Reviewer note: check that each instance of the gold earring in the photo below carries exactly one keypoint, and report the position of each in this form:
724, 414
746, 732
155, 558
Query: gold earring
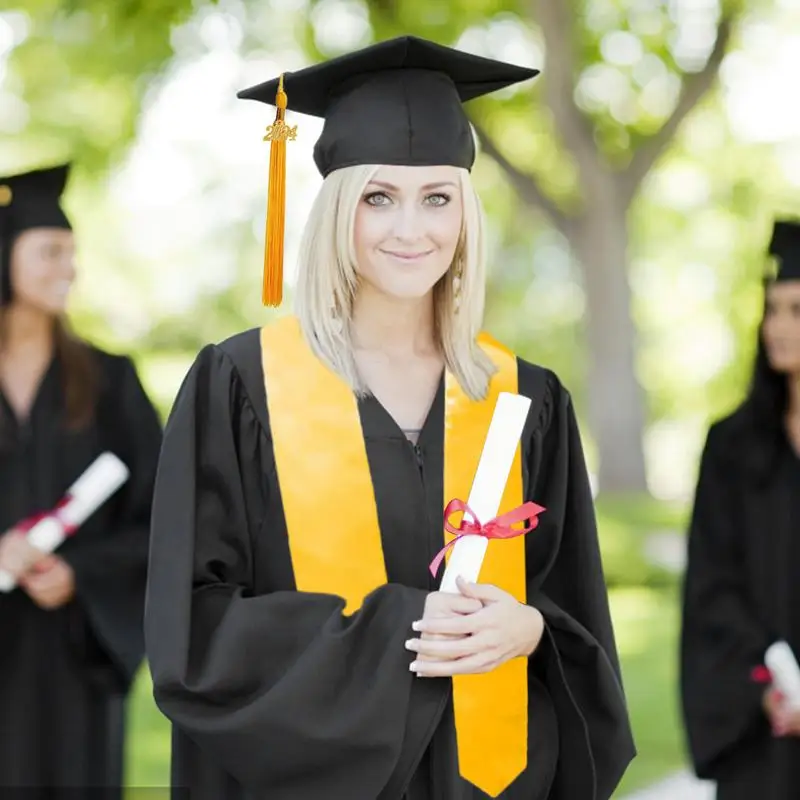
459, 271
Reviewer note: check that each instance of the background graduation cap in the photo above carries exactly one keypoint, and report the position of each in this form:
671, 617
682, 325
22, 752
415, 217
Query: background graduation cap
29, 200
396, 102
785, 248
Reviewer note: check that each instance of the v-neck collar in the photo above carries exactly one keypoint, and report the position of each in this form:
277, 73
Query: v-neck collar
377, 422
38, 397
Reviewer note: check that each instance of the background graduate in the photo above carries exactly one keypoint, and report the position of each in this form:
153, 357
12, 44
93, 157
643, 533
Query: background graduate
297, 639
71, 634
742, 591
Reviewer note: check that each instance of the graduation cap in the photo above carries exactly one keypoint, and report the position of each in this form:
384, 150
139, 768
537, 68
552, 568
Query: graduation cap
397, 102
29, 200
785, 248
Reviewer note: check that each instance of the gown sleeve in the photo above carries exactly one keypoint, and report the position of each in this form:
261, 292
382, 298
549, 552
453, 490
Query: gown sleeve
577, 658
282, 690
721, 640
111, 570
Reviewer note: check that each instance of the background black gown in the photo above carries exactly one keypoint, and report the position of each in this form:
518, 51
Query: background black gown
741, 594
64, 672
276, 691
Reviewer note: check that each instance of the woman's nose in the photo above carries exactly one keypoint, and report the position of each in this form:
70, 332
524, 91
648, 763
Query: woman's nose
407, 224
68, 268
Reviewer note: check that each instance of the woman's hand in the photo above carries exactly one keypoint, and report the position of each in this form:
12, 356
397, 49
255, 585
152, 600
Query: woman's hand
446, 605
50, 584
785, 721
17, 554
476, 642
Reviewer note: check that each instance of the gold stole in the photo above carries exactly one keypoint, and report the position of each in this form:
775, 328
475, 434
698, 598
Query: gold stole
320, 451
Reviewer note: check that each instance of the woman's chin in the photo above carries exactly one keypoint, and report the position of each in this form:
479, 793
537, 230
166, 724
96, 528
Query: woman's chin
406, 287
54, 306
786, 365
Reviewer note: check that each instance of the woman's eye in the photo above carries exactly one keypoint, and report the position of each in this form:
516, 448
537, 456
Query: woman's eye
376, 199
438, 199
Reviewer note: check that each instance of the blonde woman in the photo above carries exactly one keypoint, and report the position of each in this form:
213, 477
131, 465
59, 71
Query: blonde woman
295, 630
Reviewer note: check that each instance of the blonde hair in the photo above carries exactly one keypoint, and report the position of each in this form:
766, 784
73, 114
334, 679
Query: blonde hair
328, 281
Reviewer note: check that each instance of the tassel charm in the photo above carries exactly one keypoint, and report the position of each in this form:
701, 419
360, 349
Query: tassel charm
277, 135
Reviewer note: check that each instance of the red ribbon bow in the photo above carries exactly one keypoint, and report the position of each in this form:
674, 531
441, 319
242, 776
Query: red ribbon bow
497, 528
761, 674
30, 522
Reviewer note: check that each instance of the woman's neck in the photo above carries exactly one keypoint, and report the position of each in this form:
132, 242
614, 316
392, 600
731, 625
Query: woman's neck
26, 330
392, 326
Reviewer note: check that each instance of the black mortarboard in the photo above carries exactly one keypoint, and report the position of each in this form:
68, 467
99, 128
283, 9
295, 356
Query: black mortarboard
29, 200
396, 102
785, 247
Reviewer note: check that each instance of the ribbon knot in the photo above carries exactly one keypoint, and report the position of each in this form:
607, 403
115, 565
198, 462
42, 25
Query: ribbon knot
761, 674
495, 528
55, 513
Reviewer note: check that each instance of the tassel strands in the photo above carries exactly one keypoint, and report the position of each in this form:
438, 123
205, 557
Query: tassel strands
277, 135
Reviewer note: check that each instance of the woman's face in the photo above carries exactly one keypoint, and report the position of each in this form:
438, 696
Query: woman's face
781, 327
42, 269
407, 228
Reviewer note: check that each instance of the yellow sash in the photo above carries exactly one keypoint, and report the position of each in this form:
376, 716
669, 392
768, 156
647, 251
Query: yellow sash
320, 451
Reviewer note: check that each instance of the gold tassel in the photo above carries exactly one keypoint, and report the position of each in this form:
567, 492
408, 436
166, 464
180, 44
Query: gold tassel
277, 134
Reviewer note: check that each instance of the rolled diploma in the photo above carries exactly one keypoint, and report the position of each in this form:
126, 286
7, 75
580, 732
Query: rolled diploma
488, 485
101, 479
785, 672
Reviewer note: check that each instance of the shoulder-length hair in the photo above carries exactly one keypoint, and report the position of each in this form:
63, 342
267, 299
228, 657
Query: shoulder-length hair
328, 281
78, 371
77, 366
764, 409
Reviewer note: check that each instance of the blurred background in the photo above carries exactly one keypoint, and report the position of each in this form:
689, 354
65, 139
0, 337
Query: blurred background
630, 193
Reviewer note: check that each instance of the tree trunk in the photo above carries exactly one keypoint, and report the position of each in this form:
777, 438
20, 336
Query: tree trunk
615, 405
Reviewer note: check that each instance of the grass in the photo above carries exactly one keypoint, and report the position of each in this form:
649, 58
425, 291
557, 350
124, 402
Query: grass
646, 622
148, 743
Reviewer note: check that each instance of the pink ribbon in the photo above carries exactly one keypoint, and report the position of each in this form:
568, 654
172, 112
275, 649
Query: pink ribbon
497, 528
761, 674
27, 524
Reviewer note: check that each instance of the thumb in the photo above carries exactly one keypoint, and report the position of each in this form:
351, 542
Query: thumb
485, 592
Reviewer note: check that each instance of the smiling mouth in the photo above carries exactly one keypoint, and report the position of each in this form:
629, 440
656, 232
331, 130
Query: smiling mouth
407, 256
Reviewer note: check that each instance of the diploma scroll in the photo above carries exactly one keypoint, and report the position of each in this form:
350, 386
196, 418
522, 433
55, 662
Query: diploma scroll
785, 673
102, 478
488, 486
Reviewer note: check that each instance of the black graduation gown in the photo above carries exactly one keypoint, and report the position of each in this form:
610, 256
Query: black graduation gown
64, 672
275, 690
741, 593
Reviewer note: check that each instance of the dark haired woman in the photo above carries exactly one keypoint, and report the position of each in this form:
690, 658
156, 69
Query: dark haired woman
71, 630
742, 588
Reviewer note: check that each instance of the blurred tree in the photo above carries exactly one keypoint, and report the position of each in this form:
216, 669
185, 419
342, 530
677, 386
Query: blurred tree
620, 78
78, 74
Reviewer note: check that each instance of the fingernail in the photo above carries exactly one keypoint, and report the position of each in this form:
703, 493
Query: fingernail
413, 666
411, 644
416, 625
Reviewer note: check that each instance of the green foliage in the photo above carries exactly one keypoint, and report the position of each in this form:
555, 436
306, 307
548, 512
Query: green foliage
83, 70
626, 525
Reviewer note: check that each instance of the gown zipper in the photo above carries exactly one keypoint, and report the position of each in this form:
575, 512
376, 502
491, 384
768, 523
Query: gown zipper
420, 462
